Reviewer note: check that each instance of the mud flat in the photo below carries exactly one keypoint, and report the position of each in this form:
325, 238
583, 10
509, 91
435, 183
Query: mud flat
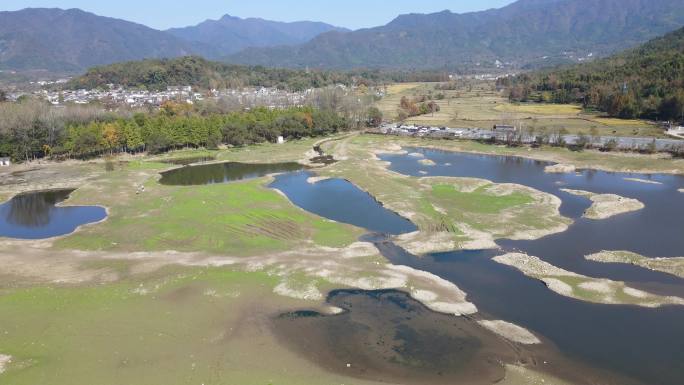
388, 336
607, 205
674, 266
581, 287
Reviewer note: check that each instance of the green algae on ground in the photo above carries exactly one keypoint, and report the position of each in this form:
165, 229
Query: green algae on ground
179, 326
239, 219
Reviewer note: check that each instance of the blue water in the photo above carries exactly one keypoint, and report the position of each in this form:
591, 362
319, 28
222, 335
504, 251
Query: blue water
341, 201
36, 216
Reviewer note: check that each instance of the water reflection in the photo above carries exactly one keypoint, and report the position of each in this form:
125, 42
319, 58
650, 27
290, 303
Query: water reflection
223, 173
35, 215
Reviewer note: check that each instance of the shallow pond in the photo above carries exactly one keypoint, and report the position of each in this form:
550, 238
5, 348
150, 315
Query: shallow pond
223, 173
341, 201
36, 215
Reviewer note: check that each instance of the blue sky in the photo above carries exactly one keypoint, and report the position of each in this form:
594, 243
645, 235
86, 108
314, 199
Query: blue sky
164, 14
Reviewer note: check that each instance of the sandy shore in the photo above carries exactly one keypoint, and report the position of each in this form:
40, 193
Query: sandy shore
674, 266
607, 205
581, 287
511, 332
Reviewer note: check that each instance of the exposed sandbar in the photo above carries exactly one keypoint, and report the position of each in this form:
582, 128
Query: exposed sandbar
511, 332
607, 205
674, 266
581, 287
560, 169
639, 180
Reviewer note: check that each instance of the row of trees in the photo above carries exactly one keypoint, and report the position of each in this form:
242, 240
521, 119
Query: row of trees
647, 82
34, 129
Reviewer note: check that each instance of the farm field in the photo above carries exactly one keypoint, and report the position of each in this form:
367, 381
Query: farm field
480, 105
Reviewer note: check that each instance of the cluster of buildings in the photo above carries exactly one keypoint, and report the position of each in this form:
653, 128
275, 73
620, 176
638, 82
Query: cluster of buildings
272, 98
446, 132
120, 96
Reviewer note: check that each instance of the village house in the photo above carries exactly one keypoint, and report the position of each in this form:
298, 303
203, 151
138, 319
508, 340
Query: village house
4, 162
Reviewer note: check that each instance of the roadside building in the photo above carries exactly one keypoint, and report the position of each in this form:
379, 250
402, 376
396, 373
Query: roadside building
4, 162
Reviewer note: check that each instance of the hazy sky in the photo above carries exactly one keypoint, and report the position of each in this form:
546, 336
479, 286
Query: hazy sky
164, 14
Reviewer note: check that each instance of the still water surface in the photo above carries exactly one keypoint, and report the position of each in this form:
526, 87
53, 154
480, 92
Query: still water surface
35, 215
223, 173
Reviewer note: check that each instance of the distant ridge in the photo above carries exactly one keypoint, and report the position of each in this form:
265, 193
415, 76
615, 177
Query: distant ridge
72, 40
231, 34
525, 33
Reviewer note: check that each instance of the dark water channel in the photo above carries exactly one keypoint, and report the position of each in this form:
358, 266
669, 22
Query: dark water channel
35, 215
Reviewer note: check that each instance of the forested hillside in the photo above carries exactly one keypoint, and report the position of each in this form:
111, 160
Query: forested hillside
646, 82
157, 74
71, 40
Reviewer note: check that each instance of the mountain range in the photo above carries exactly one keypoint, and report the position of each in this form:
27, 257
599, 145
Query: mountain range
232, 34
73, 40
527, 33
